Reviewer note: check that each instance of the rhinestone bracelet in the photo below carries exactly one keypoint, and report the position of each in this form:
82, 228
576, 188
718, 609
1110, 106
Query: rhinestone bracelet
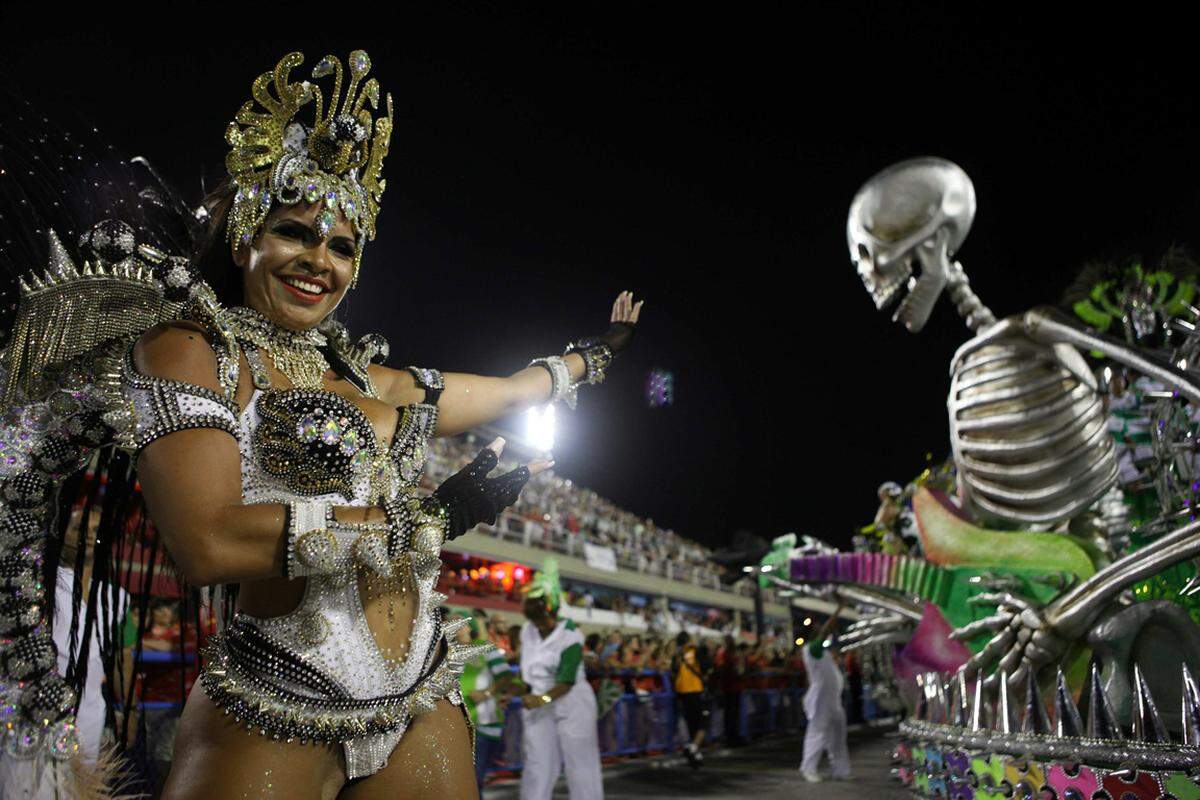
311, 546
596, 357
561, 386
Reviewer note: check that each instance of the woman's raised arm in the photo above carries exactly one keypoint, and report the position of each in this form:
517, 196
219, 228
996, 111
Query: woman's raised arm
472, 400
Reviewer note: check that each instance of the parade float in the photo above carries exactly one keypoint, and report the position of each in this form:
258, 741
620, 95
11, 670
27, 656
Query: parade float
1037, 593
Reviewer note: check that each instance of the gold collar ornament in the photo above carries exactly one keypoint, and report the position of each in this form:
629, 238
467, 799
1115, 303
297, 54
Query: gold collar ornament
296, 354
335, 161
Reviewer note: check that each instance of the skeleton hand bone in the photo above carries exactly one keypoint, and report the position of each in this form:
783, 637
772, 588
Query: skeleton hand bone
876, 630
1025, 637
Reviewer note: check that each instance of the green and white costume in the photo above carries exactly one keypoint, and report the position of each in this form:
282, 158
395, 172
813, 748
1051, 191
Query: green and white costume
477, 677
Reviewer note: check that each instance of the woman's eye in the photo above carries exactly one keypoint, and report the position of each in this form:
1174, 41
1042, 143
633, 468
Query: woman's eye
290, 231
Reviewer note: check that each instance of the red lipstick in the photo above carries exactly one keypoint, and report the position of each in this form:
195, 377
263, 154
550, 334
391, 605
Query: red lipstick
301, 295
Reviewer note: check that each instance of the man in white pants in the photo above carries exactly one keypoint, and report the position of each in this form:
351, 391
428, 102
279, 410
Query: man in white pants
826, 731
559, 712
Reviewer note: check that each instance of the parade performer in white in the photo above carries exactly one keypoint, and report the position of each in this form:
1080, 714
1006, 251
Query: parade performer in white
559, 714
826, 731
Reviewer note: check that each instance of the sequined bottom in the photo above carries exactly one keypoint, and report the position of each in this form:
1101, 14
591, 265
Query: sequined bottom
367, 755
317, 673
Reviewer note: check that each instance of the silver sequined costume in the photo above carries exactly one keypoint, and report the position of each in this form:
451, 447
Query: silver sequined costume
69, 390
316, 673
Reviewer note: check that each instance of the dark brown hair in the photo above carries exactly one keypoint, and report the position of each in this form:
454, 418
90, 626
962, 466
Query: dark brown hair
211, 257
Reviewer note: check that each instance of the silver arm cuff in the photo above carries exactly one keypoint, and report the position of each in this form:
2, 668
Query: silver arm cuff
561, 387
320, 545
312, 548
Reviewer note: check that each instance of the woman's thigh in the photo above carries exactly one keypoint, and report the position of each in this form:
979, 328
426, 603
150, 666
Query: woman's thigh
216, 757
432, 760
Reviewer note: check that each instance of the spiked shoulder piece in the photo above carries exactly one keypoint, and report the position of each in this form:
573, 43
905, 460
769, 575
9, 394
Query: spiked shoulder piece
65, 310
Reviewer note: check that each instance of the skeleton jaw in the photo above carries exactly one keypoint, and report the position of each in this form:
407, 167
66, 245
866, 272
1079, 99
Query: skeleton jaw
924, 291
883, 284
916, 307
916, 296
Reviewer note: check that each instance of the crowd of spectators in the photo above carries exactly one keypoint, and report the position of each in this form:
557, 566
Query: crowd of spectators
582, 595
718, 619
554, 510
641, 663
748, 688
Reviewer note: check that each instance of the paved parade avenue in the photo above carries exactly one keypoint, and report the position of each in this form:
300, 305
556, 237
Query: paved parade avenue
766, 770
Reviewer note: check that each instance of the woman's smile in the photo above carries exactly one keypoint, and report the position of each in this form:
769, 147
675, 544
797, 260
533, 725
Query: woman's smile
306, 291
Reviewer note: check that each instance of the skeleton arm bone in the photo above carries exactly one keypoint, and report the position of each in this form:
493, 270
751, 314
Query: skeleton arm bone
888, 637
896, 627
876, 631
1075, 610
857, 595
875, 624
1052, 327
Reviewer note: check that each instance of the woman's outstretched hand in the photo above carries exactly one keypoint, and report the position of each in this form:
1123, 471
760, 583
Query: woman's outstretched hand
625, 310
471, 497
625, 314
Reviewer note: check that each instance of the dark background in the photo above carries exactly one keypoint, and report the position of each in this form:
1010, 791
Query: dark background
543, 161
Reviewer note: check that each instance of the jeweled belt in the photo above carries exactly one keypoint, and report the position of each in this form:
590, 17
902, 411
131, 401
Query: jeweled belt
237, 677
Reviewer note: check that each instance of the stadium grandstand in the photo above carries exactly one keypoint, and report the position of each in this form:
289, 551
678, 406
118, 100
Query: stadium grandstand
620, 571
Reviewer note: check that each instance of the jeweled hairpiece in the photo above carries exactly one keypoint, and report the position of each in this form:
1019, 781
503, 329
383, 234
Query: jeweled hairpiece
335, 161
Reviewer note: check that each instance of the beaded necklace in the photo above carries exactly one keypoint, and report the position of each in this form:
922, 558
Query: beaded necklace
294, 353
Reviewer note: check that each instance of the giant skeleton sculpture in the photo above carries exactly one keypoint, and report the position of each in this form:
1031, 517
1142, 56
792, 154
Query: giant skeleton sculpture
1027, 422
1033, 457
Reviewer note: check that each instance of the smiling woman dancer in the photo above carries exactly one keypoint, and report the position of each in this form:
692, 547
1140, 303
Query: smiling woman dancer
289, 463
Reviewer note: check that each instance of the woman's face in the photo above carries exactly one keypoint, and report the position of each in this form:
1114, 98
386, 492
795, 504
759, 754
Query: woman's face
289, 273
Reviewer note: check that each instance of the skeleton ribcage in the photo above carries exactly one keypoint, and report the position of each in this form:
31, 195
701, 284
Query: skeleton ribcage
1029, 434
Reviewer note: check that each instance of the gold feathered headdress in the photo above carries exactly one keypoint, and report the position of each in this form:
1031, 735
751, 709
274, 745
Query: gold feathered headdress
336, 160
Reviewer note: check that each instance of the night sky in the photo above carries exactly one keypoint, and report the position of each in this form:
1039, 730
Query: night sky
542, 162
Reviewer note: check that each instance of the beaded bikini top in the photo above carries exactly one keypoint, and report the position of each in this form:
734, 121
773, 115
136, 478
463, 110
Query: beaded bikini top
313, 444
304, 442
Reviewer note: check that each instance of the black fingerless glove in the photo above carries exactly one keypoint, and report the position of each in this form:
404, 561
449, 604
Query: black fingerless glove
469, 497
616, 338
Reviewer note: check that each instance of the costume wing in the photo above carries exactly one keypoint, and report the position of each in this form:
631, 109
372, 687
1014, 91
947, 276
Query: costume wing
62, 409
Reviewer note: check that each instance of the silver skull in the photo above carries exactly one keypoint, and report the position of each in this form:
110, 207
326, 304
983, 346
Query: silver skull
919, 211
